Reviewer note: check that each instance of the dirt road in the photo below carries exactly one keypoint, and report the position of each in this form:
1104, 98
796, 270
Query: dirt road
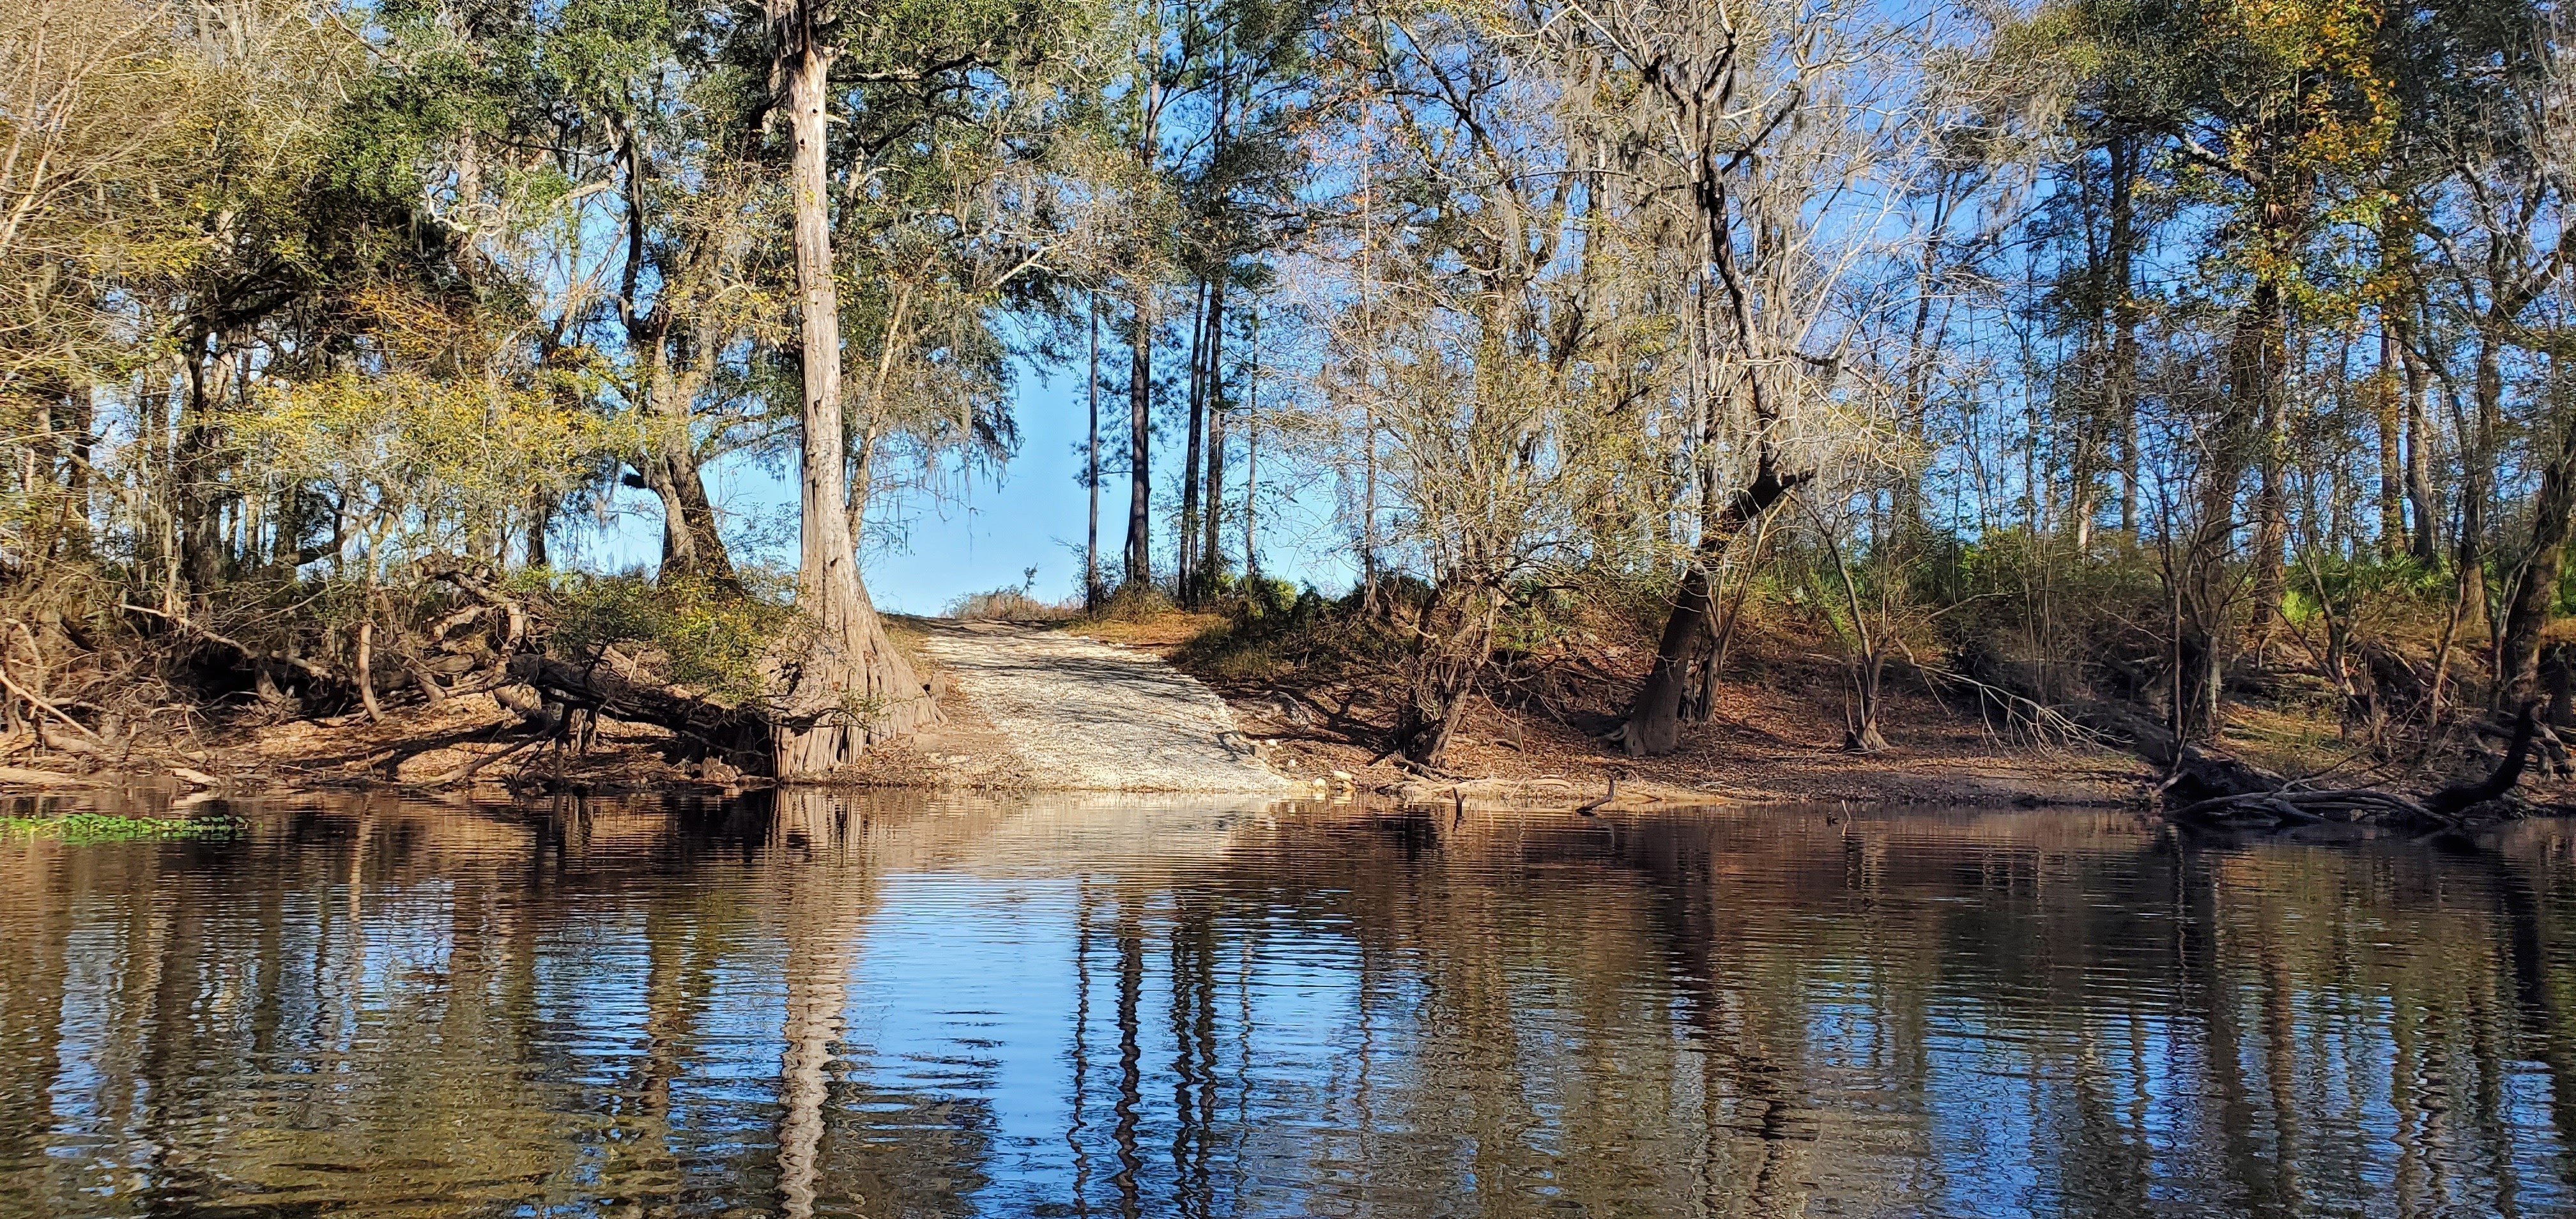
1077, 714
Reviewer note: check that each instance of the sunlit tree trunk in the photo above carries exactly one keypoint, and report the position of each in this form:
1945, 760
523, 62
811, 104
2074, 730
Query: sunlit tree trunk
2477, 483
690, 544
2424, 537
1252, 449
1140, 369
1185, 548
1091, 592
850, 687
2388, 408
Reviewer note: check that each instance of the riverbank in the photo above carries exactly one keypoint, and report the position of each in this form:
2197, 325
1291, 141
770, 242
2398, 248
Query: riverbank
1026, 709
1146, 704
1775, 738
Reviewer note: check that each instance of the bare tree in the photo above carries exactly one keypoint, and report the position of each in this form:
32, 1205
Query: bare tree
1764, 115
1489, 388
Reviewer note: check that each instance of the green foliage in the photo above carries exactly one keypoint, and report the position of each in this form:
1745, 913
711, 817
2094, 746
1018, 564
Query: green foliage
1266, 597
414, 458
111, 827
705, 635
1536, 617
2340, 583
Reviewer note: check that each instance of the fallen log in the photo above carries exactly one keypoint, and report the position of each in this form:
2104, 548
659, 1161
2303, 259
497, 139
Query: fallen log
742, 735
2193, 774
2351, 806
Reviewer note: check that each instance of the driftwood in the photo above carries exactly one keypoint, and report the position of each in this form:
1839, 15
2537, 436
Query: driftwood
467, 771
39, 703
2356, 805
2548, 750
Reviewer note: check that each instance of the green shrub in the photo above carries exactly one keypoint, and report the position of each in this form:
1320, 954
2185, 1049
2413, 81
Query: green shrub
706, 635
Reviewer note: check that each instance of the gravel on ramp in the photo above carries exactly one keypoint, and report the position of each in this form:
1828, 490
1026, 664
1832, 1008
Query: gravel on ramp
1089, 716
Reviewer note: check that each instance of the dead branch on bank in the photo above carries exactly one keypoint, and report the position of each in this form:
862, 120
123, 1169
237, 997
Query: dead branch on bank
741, 735
2444, 808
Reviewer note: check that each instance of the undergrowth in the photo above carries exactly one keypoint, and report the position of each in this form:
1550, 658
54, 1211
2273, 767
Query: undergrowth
1012, 605
1273, 630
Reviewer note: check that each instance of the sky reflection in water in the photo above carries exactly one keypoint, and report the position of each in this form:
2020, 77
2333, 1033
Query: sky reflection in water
896, 1006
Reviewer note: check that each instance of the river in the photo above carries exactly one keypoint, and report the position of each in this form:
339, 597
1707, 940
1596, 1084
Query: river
902, 1005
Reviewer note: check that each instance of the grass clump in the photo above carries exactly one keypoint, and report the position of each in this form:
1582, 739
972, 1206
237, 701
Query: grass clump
1012, 605
112, 827
1133, 602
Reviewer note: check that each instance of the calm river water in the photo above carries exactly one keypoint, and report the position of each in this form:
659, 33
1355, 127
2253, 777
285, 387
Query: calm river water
912, 1007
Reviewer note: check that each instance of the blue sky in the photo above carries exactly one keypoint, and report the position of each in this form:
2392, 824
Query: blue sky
988, 535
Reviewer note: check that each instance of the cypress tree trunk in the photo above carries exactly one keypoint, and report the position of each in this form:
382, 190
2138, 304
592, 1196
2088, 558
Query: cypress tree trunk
849, 688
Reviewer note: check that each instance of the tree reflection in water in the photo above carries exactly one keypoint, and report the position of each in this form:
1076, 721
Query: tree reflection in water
901, 1007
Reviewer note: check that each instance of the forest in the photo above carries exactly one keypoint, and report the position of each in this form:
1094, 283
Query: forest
2108, 363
